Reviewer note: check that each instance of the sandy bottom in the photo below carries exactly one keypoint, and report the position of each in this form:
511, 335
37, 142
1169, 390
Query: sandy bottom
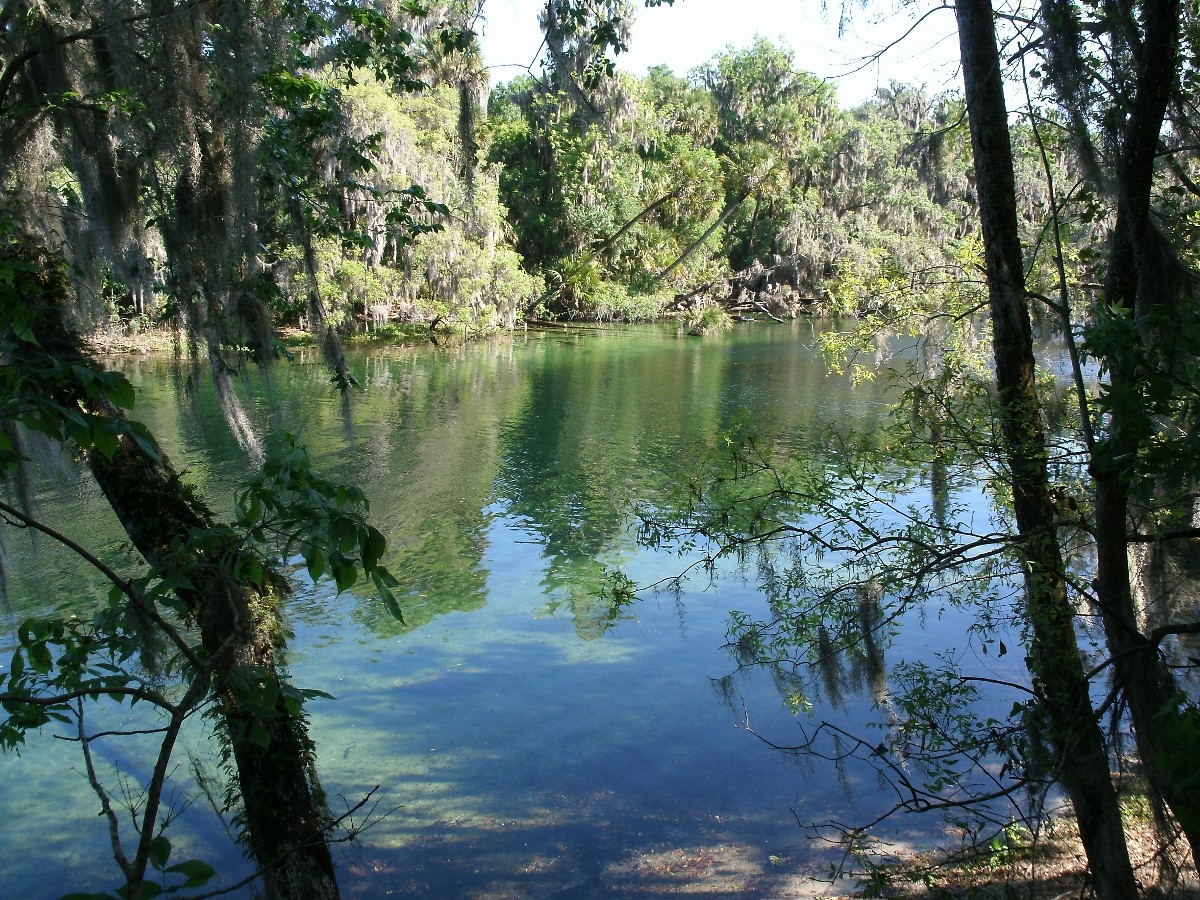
491, 859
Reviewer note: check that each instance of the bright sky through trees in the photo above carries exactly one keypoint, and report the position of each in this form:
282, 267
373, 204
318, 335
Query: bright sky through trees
691, 31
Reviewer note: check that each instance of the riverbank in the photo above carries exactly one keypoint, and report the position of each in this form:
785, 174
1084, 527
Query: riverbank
1051, 866
128, 338
775, 293
125, 338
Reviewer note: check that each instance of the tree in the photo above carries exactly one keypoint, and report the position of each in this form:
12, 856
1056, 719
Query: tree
771, 124
202, 139
1149, 375
600, 206
202, 144
1054, 659
852, 534
210, 592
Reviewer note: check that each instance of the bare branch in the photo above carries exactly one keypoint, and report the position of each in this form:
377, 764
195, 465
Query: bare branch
90, 694
1159, 634
114, 825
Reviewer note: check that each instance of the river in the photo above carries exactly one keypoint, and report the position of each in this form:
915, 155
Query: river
521, 738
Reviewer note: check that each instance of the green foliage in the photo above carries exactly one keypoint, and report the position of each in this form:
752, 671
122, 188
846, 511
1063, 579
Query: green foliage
65, 661
600, 212
293, 509
31, 396
139, 649
1009, 845
771, 122
338, 131
706, 317
1162, 347
1180, 724
307, 134
872, 208
193, 872
444, 260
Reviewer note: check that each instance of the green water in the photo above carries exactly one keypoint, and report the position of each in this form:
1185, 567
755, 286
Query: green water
523, 744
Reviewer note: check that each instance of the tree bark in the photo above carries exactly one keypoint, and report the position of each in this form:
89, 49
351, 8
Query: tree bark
1059, 680
1138, 279
239, 623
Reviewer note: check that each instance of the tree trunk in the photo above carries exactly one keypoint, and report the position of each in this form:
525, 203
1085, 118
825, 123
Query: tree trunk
616, 236
748, 244
696, 244
239, 623
1139, 278
1059, 680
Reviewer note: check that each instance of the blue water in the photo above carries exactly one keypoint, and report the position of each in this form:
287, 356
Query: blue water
518, 742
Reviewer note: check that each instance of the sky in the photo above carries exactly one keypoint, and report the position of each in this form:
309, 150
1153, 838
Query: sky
692, 31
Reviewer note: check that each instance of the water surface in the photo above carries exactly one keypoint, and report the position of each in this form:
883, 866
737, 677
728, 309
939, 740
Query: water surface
520, 740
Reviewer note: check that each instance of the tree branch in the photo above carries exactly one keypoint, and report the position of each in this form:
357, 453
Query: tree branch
125, 585
114, 826
91, 693
1163, 631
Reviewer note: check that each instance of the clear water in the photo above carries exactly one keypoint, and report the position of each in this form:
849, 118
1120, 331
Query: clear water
518, 746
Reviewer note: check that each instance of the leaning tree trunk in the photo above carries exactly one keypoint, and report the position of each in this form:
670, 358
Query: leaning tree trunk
1059, 681
729, 210
239, 622
616, 235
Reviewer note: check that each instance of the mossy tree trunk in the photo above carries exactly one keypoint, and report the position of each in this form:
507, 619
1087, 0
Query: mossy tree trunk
239, 619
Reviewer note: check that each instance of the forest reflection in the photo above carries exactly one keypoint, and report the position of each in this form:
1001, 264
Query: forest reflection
506, 478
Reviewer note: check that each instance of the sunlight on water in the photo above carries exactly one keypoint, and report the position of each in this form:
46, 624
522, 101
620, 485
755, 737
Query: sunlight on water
518, 741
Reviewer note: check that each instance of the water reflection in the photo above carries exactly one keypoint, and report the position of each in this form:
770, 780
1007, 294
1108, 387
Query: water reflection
519, 757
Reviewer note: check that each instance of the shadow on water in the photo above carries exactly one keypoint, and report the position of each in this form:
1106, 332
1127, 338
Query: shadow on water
527, 765
531, 745
589, 846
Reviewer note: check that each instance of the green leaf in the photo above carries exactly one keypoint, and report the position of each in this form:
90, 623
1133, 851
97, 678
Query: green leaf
144, 439
119, 391
268, 696
160, 851
251, 569
390, 602
373, 546
260, 735
105, 441
197, 873
251, 508
384, 577
345, 575
40, 659
314, 559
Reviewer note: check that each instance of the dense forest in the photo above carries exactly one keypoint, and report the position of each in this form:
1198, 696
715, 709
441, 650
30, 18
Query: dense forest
230, 172
570, 193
